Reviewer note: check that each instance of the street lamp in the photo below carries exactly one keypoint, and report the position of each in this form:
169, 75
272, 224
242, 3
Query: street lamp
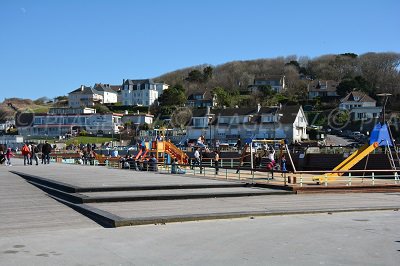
386, 95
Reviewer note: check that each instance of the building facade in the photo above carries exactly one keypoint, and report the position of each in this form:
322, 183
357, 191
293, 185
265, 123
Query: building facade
227, 125
50, 125
84, 97
322, 88
107, 92
360, 106
277, 83
141, 92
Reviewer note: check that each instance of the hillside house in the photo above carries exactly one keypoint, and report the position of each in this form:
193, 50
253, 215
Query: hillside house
202, 99
142, 92
84, 97
277, 83
108, 93
322, 88
229, 124
360, 106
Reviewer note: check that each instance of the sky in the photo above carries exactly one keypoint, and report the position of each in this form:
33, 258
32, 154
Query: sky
50, 48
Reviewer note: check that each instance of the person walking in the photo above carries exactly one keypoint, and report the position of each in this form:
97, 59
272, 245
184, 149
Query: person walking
34, 154
46, 150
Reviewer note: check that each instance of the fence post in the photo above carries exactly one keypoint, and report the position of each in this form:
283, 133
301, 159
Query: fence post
326, 180
301, 180
252, 176
373, 178
226, 173
231, 163
349, 179
284, 179
396, 178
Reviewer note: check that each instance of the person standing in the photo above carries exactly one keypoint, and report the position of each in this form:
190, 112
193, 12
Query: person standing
239, 144
46, 150
216, 161
9, 154
283, 163
197, 159
34, 152
26, 153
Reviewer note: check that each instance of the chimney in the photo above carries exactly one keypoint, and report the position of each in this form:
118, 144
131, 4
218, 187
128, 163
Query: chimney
82, 87
258, 107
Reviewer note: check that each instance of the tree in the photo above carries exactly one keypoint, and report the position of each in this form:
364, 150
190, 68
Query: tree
224, 98
101, 109
348, 85
195, 76
207, 73
173, 96
266, 90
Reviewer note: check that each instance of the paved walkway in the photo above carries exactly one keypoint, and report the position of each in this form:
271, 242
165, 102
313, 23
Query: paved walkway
25, 208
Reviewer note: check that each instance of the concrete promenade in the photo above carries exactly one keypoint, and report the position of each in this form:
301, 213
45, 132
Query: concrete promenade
275, 228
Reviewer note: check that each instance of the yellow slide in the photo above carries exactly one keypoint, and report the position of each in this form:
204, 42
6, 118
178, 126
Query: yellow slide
350, 161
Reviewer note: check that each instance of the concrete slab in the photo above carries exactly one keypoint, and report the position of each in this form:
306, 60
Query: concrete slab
145, 212
25, 208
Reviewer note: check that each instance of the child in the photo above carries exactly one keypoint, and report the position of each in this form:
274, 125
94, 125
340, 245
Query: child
9, 154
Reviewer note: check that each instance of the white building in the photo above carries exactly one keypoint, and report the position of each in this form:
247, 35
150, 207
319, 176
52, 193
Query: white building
71, 111
84, 97
227, 125
108, 93
59, 125
141, 92
360, 106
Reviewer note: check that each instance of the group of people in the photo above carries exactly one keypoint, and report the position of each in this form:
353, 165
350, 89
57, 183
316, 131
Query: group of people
32, 152
139, 164
5, 156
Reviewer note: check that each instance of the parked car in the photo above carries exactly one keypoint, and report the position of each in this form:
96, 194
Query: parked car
354, 134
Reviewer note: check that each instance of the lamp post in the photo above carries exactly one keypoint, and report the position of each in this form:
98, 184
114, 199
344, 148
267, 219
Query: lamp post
386, 96
209, 126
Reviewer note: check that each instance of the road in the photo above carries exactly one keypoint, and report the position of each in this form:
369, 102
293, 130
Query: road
337, 141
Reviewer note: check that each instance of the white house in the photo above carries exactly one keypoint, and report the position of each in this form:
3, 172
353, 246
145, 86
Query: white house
360, 106
141, 92
107, 91
227, 125
84, 97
